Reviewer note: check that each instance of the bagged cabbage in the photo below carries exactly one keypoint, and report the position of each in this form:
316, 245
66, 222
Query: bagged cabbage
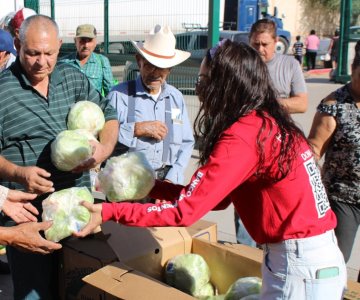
86, 115
242, 287
66, 212
188, 273
127, 177
69, 149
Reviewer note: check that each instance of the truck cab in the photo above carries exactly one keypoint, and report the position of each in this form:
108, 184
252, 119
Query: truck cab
243, 13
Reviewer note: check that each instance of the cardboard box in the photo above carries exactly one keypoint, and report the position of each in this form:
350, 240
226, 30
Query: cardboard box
142, 249
230, 262
126, 283
149, 249
79, 259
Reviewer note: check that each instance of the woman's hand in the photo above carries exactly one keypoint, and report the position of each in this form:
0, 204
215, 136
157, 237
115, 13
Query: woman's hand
95, 219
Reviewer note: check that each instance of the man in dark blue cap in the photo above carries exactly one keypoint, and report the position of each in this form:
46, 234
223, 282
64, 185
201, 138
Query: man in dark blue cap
7, 50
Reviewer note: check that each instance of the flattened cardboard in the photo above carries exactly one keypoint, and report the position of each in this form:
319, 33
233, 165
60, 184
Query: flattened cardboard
128, 284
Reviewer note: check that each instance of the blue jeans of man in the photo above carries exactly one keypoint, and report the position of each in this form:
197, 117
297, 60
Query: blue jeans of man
242, 235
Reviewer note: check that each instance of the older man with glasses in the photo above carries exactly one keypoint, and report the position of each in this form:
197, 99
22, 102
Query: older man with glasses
152, 114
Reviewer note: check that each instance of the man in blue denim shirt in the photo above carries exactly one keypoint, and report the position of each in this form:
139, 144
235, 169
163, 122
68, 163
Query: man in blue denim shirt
152, 114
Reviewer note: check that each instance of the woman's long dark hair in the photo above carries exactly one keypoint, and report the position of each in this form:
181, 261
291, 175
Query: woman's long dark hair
238, 84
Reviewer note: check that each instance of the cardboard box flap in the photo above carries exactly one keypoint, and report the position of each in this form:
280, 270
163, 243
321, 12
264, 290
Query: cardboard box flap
125, 283
228, 263
147, 249
203, 229
131, 242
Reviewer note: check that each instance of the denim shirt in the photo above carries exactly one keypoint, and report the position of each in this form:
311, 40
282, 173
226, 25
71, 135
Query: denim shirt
148, 109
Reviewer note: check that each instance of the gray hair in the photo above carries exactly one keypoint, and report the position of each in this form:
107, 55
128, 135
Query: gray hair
44, 22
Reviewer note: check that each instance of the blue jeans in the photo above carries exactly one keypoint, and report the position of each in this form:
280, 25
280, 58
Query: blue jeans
289, 269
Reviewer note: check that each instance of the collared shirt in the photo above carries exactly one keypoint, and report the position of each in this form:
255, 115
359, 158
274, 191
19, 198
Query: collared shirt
147, 109
97, 69
29, 122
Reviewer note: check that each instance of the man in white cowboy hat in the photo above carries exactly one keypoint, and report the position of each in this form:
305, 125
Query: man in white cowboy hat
152, 114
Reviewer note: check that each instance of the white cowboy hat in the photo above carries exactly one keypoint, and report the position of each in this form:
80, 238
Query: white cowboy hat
159, 48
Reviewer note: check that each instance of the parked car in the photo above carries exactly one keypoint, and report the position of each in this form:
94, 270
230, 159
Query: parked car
196, 42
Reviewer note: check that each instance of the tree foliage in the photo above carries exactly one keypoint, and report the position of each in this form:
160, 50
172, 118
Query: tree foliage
324, 15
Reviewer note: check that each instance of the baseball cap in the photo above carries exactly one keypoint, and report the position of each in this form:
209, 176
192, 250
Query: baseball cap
6, 42
86, 30
20, 16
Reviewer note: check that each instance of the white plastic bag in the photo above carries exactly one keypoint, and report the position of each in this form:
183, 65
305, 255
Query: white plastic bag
127, 177
66, 212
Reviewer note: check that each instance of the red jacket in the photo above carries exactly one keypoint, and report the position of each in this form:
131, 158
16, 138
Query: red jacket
295, 207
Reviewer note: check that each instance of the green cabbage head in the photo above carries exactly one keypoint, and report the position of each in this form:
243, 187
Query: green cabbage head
66, 212
190, 274
69, 149
127, 177
86, 115
243, 287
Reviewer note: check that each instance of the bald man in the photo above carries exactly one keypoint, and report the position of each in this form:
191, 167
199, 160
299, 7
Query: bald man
36, 95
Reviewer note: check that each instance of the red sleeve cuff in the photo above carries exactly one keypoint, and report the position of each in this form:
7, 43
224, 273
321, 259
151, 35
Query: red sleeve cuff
107, 212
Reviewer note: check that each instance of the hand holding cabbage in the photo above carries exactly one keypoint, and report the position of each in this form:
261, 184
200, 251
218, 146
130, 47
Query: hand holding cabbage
66, 212
70, 149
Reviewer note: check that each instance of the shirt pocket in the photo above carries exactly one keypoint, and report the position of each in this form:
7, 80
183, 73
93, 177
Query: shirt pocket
177, 133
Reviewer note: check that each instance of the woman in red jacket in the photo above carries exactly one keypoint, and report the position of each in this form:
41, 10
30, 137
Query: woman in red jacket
255, 157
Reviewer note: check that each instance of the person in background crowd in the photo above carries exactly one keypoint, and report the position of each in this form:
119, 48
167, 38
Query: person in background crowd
255, 157
36, 95
333, 51
95, 66
152, 114
19, 17
288, 80
5, 21
312, 43
7, 50
335, 133
298, 49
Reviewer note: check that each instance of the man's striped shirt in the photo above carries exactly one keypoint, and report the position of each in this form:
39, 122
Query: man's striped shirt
29, 122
